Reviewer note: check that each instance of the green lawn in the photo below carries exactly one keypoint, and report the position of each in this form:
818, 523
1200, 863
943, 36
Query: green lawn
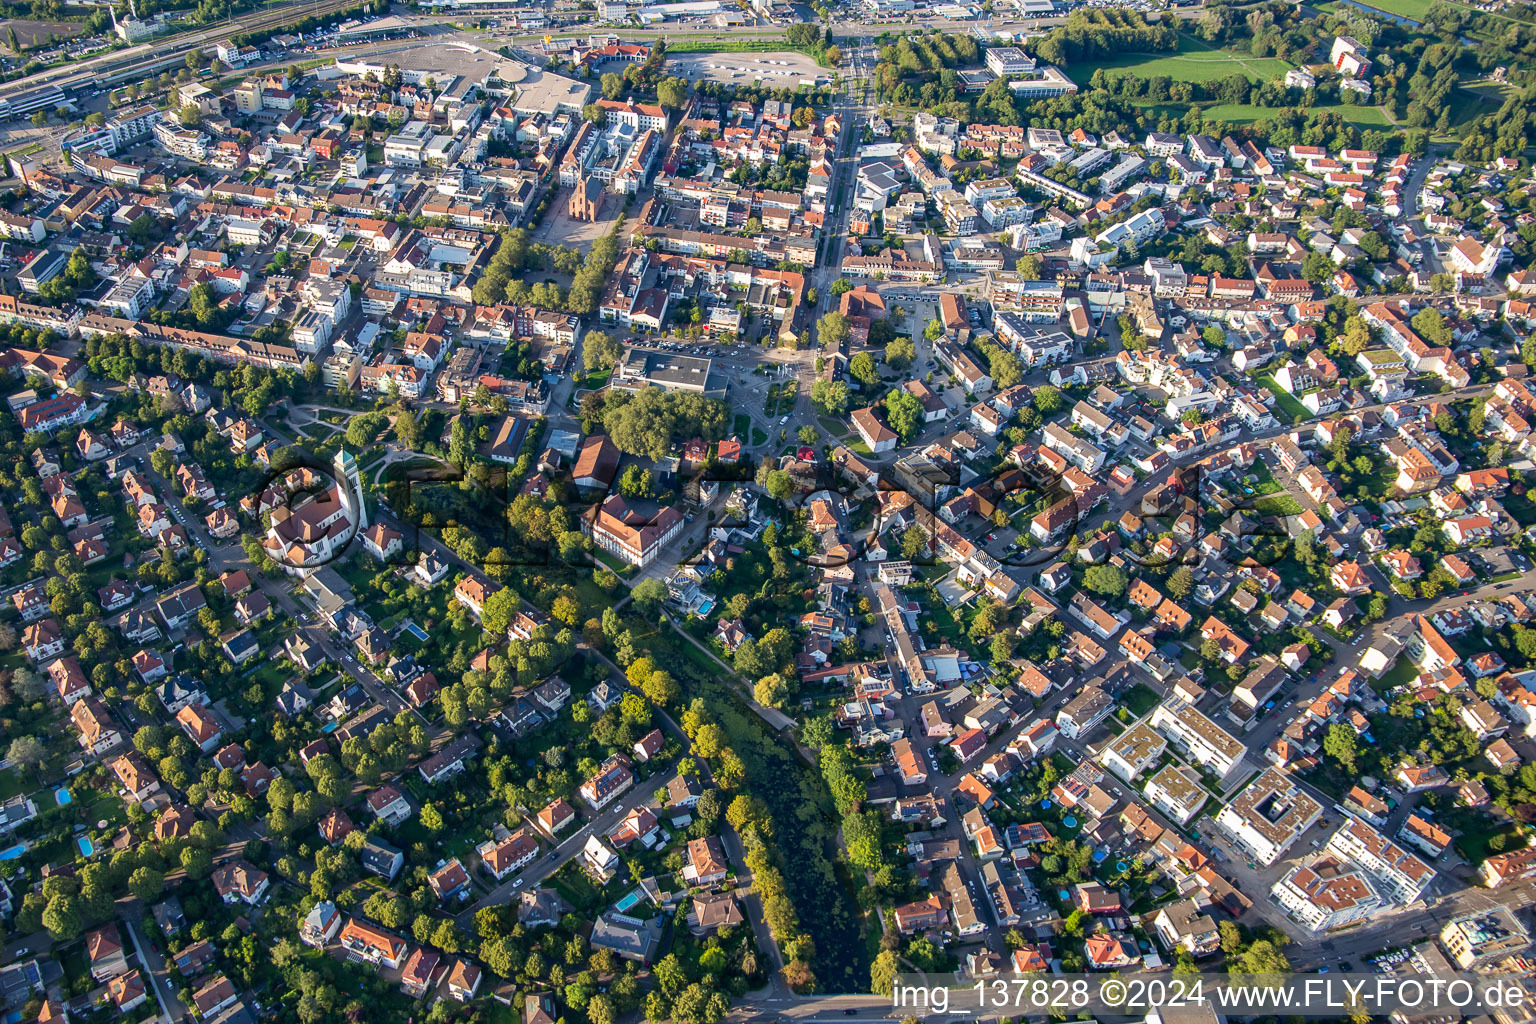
1140, 699
1193, 61
1245, 113
1278, 505
1400, 674
1473, 843
1414, 9
1287, 403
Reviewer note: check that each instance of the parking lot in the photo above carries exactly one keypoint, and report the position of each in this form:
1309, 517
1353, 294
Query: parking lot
779, 69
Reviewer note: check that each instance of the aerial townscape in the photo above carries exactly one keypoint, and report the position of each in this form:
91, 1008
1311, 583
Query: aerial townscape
589, 513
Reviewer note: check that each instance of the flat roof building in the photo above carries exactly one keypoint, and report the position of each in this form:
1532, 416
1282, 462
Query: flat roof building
1269, 815
1197, 737
657, 369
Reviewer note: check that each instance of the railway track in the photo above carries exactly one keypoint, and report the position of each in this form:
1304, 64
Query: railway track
145, 58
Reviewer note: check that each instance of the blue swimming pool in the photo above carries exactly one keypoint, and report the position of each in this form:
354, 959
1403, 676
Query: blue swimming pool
87, 848
63, 796
628, 900
13, 852
416, 631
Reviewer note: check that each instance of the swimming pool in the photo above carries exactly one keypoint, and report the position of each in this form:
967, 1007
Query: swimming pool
13, 852
628, 900
87, 848
416, 631
63, 796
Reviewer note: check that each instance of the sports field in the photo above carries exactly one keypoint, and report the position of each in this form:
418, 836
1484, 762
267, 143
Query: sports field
1193, 61
31, 33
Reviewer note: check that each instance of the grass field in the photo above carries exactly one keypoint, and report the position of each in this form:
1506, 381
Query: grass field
1278, 505
1243, 113
1193, 61
1289, 405
1412, 9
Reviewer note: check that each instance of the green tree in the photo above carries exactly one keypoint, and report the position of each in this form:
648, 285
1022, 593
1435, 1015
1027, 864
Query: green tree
1048, 400
672, 93
649, 594
599, 351
146, 883
913, 542
1181, 582
904, 413
772, 691
461, 446
900, 353
882, 973
26, 752
862, 368
1108, 580
830, 396
1264, 959
61, 917
833, 331
1341, 744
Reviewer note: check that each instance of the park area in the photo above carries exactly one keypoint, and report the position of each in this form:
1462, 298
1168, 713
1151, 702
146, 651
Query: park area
1193, 61
1414, 10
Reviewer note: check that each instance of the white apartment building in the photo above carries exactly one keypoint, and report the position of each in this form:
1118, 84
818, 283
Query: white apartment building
1133, 751
1177, 792
1396, 874
131, 297
1197, 737
1269, 815
1085, 456
1325, 895
407, 147
1005, 61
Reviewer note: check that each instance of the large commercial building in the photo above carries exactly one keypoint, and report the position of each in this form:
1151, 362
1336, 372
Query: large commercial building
1483, 937
646, 367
